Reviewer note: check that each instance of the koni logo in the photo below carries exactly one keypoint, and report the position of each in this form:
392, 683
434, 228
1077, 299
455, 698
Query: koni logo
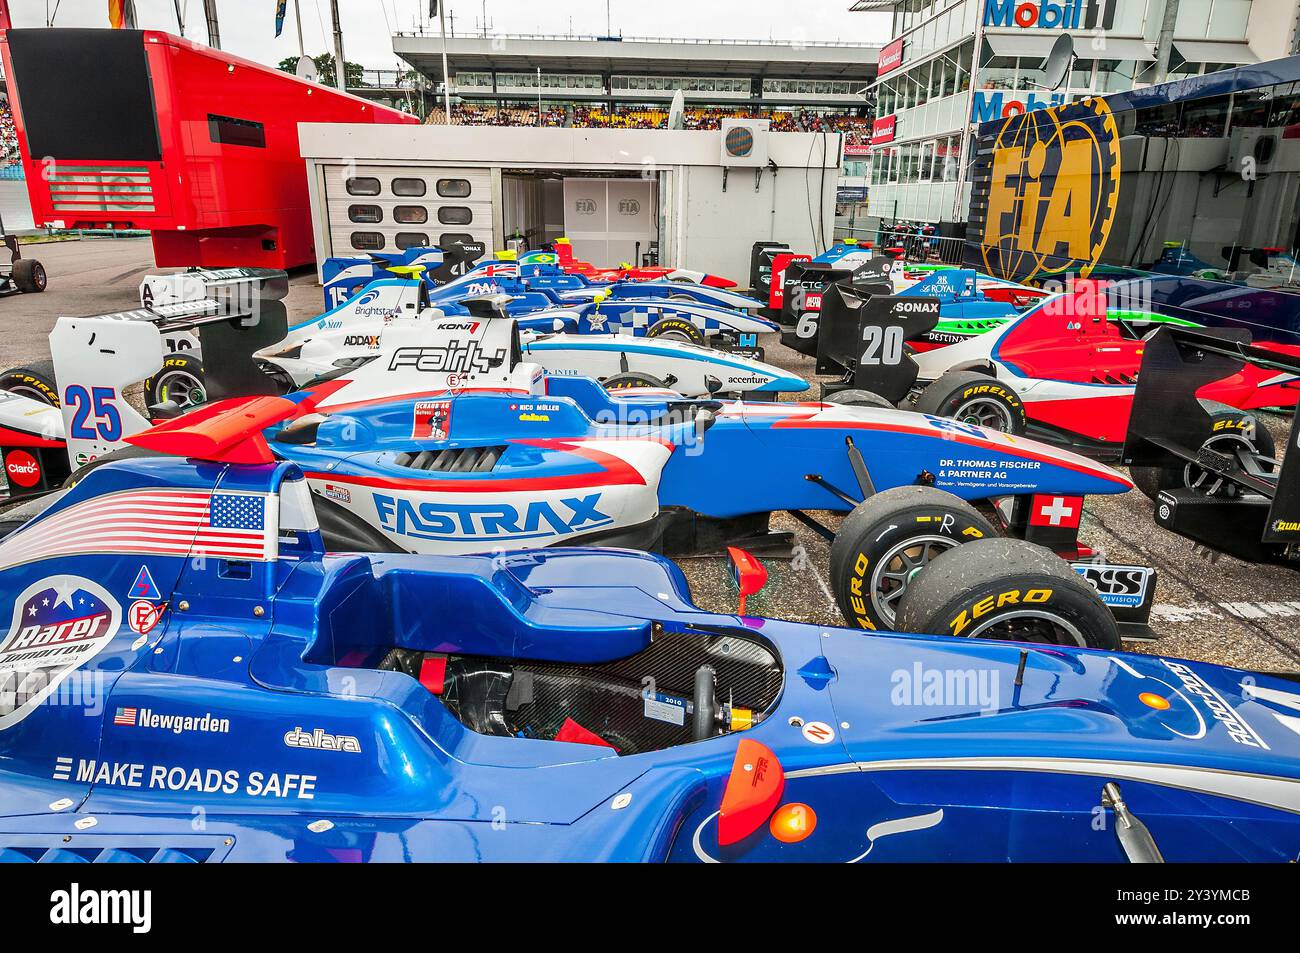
1049, 15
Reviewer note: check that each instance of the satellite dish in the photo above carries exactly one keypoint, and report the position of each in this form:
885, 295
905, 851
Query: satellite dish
306, 69
1059, 60
677, 111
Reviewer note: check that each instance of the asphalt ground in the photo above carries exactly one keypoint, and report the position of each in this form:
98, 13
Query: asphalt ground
1223, 611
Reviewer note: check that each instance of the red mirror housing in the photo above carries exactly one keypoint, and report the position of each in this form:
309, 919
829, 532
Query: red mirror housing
749, 573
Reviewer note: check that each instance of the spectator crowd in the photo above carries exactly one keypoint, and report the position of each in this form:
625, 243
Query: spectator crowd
8, 136
856, 129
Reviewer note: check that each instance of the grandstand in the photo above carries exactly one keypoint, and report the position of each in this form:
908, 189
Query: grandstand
616, 82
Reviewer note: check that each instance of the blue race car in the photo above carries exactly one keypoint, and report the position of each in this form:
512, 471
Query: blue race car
546, 303
446, 441
181, 642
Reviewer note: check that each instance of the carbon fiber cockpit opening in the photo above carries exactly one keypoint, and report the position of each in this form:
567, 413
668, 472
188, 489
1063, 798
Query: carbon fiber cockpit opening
613, 700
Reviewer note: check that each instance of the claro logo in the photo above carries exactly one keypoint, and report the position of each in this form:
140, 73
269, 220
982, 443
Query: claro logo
22, 468
1053, 191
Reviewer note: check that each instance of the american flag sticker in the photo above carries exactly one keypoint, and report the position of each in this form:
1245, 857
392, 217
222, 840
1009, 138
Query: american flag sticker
154, 521
125, 716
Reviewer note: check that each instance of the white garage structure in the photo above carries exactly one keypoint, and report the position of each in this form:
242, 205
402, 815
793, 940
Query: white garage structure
615, 193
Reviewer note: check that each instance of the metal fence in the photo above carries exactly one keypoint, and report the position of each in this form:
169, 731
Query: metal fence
945, 249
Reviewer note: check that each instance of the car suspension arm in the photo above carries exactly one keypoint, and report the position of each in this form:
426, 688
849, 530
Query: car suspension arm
812, 524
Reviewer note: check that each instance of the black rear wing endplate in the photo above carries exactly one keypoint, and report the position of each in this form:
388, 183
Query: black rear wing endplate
863, 337
1168, 424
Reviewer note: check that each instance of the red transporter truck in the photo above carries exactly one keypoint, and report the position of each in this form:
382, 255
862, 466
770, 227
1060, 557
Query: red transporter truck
142, 129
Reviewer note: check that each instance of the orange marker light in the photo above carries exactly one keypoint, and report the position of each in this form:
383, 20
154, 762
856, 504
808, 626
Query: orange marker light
1152, 700
793, 822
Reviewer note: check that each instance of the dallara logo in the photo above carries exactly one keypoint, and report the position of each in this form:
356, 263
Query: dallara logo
1052, 191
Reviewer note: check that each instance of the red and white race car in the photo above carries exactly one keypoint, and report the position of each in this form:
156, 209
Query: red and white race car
1063, 371
563, 256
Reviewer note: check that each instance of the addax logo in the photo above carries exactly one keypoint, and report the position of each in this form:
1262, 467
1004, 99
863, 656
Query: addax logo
1053, 191
451, 521
59, 624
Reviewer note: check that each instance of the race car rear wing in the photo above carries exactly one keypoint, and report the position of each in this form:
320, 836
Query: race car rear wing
804, 288
863, 336
228, 313
229, 288
1168, 425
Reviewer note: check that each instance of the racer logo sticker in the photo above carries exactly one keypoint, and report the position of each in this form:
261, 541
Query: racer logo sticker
59, 624
432, 420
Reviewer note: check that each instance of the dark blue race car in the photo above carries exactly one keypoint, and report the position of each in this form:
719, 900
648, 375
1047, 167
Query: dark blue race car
181, 647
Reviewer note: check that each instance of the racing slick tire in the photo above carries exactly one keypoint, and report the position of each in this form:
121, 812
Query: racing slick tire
974, 398
32, 380
631, 379
885, 542
29, 276
856, 397
676, 329
1229, 428
180, 380
1007, 589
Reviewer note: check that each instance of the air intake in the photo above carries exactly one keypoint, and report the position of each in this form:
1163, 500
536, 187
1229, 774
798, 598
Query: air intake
455, 460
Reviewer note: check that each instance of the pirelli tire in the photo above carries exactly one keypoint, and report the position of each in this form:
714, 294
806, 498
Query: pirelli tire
1229, 429
629, 379
1007, 589
885, 543
856, 397
679, 329
974, 398
180, 379
32, 380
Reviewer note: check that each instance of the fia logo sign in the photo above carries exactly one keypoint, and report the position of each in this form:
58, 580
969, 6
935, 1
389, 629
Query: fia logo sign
1053, 191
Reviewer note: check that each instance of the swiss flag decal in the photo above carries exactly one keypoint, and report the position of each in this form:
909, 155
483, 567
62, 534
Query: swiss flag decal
1049, 510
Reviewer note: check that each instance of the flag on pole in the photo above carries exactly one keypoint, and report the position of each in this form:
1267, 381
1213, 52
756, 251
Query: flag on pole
279, 15
120, 15
433, 9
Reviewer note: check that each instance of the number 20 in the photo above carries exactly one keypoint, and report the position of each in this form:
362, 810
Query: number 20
884, 345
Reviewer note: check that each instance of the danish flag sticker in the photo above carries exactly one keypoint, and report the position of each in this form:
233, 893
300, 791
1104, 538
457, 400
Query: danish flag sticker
1060, 511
